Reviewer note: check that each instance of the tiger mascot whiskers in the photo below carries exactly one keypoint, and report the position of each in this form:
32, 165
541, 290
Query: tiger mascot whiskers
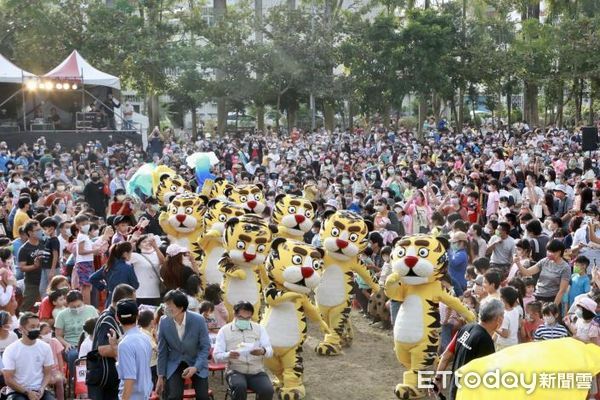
418, 264
183, 219
293, 269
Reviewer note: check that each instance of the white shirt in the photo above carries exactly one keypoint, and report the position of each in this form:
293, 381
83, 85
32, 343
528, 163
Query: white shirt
511, 322
146, 267
86, 346
87, 246
28, 362
180, 328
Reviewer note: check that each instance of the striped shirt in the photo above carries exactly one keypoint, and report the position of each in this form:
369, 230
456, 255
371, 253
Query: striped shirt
545, 332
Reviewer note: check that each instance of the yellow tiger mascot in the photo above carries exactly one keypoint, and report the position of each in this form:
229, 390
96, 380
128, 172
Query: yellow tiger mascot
208, 249
293, 269
249, 197
183, 220
247, 241
418, 263
293, 216
344, 236
166, 184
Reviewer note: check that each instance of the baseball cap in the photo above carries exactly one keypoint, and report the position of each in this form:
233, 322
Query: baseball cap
585, 302
175, 249
332, 203
560, 188
127, 308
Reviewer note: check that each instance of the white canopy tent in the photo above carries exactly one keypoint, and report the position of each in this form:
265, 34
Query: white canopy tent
10, 73
76, 68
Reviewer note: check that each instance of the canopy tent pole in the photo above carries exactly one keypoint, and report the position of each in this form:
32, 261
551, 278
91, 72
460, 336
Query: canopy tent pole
24, 103
11, 97
83, 108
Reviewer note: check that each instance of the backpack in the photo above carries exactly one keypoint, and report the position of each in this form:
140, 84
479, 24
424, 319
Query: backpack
102, 371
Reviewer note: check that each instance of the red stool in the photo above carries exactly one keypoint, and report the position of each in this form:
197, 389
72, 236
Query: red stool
217, 367
187, 394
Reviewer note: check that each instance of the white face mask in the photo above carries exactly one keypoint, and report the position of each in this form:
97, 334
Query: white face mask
549, 319
85, 228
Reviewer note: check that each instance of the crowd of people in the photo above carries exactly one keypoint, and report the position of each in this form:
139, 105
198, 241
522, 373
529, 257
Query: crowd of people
83, 262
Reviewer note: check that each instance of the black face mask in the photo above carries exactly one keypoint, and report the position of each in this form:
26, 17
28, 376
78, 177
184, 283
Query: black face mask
95, 178
33, 334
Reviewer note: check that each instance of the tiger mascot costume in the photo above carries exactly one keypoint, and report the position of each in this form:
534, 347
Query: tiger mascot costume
249, 197
344, 236
166, 184
208, 249
183, 220
215, 189
247, 241
293, 269
418, 263
293, 216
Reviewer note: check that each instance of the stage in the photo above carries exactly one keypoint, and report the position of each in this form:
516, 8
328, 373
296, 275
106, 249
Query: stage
69, 139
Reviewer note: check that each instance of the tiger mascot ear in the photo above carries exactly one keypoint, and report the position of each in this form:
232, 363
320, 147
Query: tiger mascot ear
212, 203
395, 240
327, 214
445, 242
321, 250
315, 207
163, 177
231, 222
204, 199
273, 228
275, 246
260, 186
369, 224
279, 197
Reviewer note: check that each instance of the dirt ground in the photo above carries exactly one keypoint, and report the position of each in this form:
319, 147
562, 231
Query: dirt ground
366, 371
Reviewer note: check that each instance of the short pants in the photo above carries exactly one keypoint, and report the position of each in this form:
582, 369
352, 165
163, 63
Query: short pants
84, 271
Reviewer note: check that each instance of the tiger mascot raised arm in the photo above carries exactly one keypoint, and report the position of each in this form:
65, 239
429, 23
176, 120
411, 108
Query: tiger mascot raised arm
215, 189
247, 241
418, 264
183, 220
293, 216
344, 236
293, 269
249, 197
166, 184
208, 248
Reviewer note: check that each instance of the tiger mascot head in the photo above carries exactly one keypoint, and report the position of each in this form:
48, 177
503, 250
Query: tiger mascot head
218, 212
247, 240
185, 213
217, 189
344, 234
420, 259
249, 197
170, 186
294, 265
293, 214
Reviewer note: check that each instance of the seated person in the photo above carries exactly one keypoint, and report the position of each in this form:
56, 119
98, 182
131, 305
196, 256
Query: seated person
229, 339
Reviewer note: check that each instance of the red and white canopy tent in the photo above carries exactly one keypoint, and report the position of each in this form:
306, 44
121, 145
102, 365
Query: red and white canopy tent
76, 68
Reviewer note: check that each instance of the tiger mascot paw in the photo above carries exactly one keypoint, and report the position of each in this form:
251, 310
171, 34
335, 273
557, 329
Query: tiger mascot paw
276, 383
409, 392
328, 349
292, 393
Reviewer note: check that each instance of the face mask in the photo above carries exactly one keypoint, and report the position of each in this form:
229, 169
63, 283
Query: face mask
487, 230
345, 181
579, 313
379, 208
242, 324
373, 176
390, 171
522, 227
549, 319
40, 235
454, 246
576, 270
47, 337
17, 180
95, 178
120, 197
168, 312
60, 188
497, 233
122, 176
385, 195
33, 334
85, 228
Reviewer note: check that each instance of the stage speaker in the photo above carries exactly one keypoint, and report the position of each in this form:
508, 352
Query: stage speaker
589, 138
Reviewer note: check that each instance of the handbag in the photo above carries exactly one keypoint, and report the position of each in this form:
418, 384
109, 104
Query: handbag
162, 288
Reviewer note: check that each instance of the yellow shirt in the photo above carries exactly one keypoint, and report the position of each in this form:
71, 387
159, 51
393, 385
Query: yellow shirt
21, 218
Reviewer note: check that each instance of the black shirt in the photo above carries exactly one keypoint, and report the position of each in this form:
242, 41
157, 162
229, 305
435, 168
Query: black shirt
153, 225
51, 244
96, 198
472, 341
27, 254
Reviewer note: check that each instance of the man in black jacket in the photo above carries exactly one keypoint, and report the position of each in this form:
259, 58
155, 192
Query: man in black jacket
95, 195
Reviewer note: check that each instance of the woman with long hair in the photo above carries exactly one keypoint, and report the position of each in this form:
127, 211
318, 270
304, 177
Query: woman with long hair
179, 267
147, 261
116, 271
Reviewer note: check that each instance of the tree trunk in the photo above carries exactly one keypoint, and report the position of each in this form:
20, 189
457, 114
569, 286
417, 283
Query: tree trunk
194, 124
578, 101
509, 107
561, 101
329, 114
461, 108
153, 111
278, 117
530, 104
592, 92
350, 116
260, 117
385, 120
422, 115
220, 8
454, 113
291, 117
